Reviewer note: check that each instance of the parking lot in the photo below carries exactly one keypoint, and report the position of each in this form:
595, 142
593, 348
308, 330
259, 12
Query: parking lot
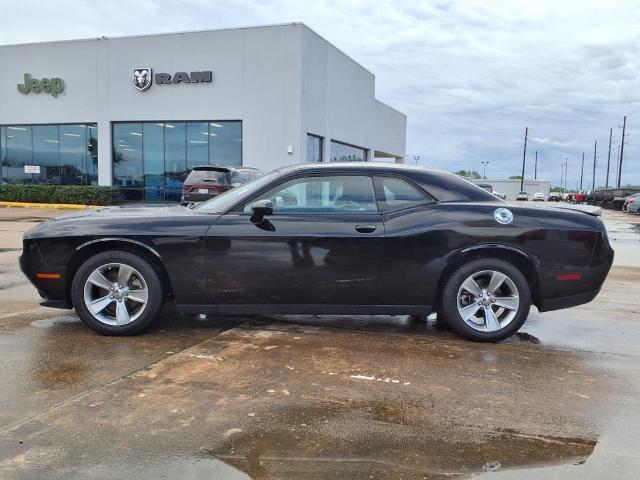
319, 396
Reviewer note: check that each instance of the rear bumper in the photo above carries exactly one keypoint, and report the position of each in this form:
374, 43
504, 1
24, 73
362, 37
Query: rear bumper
568, 301
558, 291
196, 197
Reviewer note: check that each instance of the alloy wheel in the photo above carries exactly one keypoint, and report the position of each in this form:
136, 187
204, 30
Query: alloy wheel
116, 294
488, 300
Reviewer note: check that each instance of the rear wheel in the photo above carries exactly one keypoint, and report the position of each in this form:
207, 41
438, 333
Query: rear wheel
116, 293
486, 300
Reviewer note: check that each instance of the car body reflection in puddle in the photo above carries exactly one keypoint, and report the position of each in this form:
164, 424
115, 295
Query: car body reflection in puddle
311, 452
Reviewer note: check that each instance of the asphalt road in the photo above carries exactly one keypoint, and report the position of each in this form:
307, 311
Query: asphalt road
319, 396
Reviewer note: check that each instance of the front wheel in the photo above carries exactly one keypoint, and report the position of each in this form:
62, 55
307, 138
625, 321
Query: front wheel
116, 293
486, 300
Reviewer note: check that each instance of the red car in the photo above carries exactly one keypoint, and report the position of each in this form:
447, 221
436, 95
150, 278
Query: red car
208, 181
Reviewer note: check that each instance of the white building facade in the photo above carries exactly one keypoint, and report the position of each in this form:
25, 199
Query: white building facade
140, 112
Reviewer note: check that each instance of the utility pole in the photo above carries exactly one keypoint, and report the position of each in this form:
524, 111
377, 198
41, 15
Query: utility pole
617, 166
535, 169
566, 171
582, 171
484, 166
624, 126
595, 149
606, 183
524, 156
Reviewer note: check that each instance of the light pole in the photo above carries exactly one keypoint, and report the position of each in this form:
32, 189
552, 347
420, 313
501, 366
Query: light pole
484, 168
416, 158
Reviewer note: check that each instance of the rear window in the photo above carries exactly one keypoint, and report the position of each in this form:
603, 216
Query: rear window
240, 176
208, 176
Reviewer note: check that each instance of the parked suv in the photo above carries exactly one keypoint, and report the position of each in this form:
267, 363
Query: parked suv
208, 181
522, 196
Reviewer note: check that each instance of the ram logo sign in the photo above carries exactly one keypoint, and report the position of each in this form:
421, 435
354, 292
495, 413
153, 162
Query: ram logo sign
143, 78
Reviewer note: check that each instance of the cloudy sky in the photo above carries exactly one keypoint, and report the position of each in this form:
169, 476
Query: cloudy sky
470, 75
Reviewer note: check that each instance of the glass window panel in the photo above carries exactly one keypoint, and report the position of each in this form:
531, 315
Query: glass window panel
314, 148
127, 159
153, 155
399, 194
73, 154
175, 159
225, 143
19, 153
197, 144
92, 158
4, 167
341, 152
334, 194
45, 153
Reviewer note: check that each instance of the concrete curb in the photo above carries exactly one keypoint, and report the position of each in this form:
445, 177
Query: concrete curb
70, 206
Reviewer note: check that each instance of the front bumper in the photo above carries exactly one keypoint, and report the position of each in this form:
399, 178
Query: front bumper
52, 291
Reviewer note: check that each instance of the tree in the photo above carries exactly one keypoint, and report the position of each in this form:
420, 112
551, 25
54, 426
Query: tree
468, 174
515, 177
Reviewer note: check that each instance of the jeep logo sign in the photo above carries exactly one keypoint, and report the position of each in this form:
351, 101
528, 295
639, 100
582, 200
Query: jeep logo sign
142, 78
52, 86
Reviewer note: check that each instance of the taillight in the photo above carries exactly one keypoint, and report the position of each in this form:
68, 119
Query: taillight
631, 200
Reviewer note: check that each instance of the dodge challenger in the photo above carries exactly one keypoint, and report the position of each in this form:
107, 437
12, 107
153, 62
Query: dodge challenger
341, 238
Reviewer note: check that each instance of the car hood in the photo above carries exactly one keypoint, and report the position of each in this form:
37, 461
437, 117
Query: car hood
121, 211
127, 214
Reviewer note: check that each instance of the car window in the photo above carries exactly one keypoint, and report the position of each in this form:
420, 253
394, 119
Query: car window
398, 194
240, 176
322, 194
208, 176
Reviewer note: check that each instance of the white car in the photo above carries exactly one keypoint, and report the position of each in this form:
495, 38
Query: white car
538, 197
522, 196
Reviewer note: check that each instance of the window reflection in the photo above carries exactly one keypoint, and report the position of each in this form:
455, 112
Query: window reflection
341, 152
66, 154
168, 151
314, 148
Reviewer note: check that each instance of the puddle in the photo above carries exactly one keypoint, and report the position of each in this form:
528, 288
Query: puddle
51, 322
315, 448
4, 250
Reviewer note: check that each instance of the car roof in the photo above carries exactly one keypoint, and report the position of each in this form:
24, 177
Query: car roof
443, 186
221, 168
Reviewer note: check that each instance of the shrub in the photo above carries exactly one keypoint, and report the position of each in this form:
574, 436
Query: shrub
83, 195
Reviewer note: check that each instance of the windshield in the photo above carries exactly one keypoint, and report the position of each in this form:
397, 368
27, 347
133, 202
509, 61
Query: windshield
225, 201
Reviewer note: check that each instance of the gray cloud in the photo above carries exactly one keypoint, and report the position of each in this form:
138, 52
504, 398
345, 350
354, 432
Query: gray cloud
470, 75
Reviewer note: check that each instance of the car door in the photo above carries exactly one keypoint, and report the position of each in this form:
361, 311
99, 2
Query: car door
322, 245
414, 249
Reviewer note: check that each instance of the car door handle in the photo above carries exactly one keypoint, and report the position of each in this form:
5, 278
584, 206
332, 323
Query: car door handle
365, 228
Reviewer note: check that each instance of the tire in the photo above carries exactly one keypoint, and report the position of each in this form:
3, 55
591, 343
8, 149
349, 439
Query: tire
509, 302
121, 311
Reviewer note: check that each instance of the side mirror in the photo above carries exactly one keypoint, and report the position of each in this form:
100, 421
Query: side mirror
260, 209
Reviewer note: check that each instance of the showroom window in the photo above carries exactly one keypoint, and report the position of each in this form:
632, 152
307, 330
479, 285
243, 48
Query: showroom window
64, 154
151, 160
314, 148
343, 152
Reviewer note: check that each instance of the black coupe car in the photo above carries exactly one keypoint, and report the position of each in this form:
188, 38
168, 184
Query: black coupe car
324, 239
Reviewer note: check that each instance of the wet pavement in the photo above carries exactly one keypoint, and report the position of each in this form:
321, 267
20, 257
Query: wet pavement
319, 396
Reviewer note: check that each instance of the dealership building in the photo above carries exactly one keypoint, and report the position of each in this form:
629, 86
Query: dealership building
140, 112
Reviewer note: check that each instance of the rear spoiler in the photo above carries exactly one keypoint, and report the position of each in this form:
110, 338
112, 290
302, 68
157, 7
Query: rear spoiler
588, 209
